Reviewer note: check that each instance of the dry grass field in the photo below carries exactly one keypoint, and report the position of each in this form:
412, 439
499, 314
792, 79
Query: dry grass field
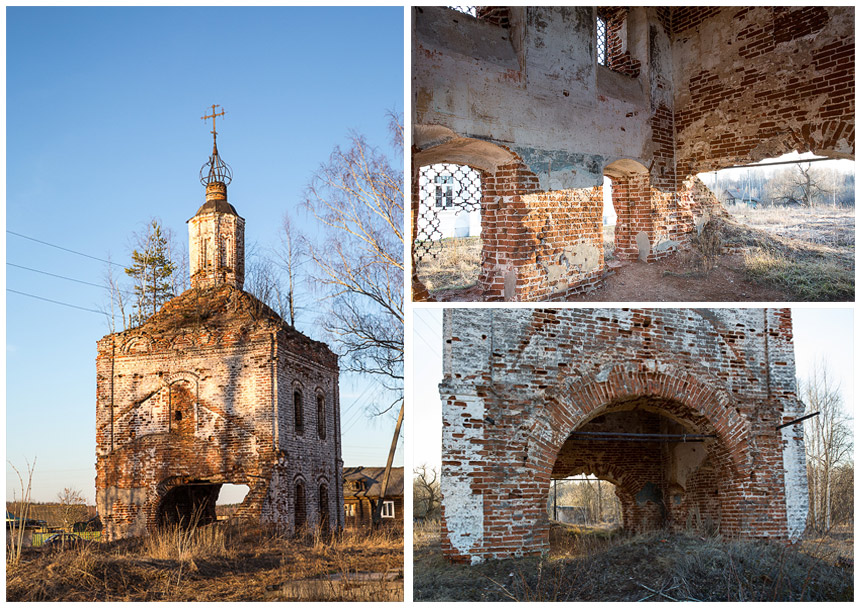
810, 252
215, 563
599, 565
451, 263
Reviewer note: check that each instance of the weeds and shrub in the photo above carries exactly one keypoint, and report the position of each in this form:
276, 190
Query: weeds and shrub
810, 280
706, 245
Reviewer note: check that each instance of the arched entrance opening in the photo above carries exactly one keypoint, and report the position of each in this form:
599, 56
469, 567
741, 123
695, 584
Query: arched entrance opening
453, 181
188, 505
448, 244
667, 463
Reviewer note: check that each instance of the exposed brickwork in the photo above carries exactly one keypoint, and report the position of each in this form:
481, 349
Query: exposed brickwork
785, 82
724, 86
217, 241
518, 382
619, 59
203, 394
685, 18
498, 15
548, 246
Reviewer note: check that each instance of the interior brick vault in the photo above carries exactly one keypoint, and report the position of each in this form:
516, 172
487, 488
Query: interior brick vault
216, 389
532, 395
518, 93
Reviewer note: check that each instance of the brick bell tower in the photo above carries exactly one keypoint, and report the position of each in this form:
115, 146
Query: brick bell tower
216, 232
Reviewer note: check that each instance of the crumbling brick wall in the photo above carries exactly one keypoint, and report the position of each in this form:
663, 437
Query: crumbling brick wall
523, 388
203, 394
694, 89
778, 79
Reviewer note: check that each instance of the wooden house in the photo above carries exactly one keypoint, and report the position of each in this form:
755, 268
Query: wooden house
362, 491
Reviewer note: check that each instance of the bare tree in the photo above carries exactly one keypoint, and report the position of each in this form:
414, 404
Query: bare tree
358, 264
262, 280
73, 506
426, 492
291, 254
828, 443
800, 185
117, 305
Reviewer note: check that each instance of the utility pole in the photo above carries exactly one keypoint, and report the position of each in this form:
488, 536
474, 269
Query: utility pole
389, 462
555, 500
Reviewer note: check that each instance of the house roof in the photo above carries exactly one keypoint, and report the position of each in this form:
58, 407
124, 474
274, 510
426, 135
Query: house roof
371, 479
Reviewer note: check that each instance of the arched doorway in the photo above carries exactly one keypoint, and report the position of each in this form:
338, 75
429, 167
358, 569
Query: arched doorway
667, 462
450, 193
630, 195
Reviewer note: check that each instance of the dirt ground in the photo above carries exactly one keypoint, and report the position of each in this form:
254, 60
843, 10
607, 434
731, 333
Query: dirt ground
671, 280
775, 255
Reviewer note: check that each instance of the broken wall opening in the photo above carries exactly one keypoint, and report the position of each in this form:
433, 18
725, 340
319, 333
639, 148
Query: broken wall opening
448, 243
188, 505
231, 500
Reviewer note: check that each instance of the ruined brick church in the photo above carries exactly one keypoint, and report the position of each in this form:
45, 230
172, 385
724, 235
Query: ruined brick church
691, 414
214, 389
547, 102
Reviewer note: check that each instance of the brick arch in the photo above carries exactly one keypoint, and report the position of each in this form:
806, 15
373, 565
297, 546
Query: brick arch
691, 401
579, 401
137, 345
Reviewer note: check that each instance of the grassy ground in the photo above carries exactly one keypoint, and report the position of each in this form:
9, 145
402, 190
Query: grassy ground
451, 263
809, 252
602, 566
215, 563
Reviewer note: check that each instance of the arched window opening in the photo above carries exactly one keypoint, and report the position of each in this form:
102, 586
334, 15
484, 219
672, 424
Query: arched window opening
323, 506
609, 221
224, 260
299, 512
297, 411
321, 416
448, 244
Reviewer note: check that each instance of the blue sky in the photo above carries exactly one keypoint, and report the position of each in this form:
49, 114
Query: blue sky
819, 333
104, 132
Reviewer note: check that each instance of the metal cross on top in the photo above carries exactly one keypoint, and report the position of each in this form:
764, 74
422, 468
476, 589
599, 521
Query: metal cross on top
213, 116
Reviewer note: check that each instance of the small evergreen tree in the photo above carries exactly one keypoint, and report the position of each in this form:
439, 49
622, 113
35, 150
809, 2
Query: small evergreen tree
151, 270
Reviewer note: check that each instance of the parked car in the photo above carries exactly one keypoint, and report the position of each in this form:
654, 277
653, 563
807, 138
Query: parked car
63, 540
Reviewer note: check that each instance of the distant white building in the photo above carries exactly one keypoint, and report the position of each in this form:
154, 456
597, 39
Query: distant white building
449, 199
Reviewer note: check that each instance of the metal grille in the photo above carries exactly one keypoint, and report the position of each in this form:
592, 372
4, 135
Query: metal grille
449, 196
601, 41
467, 10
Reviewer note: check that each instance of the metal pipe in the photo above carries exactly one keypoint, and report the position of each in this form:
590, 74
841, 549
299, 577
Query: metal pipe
783, 162
681, 439
797, 421
621, 434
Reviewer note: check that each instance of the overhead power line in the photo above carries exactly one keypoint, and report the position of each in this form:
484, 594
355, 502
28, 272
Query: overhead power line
30, 295
86, 255
60, 276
